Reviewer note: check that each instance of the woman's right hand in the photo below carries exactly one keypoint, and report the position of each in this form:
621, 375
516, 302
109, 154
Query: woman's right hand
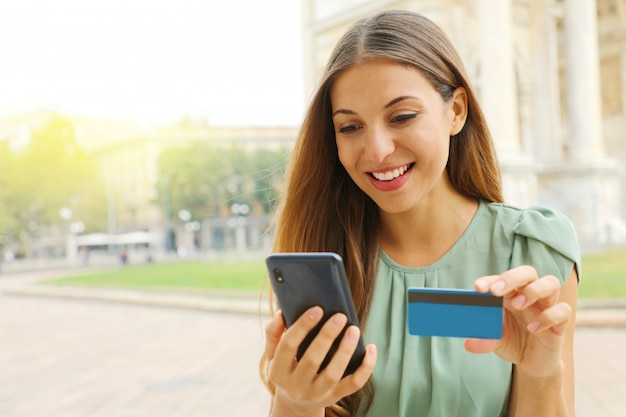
300, 390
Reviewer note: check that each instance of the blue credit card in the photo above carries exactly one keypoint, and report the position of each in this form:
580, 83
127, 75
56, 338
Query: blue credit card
454, 313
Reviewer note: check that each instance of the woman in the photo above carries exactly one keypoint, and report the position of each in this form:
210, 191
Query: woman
395, 170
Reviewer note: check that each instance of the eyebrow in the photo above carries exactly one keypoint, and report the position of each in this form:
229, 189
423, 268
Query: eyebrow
391, 103
399, 99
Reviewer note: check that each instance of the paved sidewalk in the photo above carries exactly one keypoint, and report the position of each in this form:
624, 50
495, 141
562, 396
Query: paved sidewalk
70, 351
78, 358
600, 362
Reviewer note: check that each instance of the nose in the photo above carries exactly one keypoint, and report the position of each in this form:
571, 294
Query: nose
379, 144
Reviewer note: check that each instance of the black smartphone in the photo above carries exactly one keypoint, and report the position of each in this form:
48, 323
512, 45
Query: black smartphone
302, 280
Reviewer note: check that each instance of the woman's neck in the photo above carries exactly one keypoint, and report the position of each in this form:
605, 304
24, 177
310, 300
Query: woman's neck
423, 235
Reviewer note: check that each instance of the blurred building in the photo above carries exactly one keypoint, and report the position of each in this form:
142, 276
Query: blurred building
130, 170
128, 160
551, 77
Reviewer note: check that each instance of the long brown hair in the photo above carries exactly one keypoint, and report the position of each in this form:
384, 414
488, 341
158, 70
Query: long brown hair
321, 209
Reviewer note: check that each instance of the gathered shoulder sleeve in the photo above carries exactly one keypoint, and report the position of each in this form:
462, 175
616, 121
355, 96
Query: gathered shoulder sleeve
545, 239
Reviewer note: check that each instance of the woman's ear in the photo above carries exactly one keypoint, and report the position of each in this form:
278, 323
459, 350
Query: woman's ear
458, 105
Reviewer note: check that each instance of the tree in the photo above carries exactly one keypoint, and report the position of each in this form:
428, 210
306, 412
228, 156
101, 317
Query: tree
206, 180
8, 194
50, 173
269, 167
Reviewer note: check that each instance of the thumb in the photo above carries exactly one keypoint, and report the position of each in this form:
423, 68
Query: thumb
481, 345
274, 332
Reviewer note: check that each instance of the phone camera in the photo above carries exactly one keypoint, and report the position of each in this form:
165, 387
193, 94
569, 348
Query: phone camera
278, 274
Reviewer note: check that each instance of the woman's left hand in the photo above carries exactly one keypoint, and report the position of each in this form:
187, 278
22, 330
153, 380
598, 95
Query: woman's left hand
535, 322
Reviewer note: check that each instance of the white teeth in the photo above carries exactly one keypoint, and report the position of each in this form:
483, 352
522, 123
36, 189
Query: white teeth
389, 175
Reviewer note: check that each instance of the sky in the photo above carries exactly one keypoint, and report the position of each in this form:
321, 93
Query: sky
231, 62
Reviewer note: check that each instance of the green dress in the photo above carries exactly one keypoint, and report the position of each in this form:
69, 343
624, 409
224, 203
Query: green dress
435, 376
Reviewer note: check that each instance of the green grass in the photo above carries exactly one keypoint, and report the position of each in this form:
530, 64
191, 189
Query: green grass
603, 276
193, 275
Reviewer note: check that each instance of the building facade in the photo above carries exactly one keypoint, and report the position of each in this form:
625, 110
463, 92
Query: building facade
130, 169
551, 77
127, 158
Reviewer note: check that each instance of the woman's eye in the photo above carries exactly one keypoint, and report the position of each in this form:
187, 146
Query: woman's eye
348, 129
403, 118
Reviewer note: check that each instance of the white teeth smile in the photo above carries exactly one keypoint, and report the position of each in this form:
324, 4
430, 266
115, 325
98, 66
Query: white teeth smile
390, 175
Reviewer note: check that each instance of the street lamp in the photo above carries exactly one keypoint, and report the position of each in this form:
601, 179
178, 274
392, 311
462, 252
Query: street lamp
184, 215
77, 227
190, 227
74, 228
66, 213
240, 210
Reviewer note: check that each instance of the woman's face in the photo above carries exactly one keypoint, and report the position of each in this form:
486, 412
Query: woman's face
392, 130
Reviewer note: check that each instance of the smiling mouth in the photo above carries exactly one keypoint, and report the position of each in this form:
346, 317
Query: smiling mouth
393, 174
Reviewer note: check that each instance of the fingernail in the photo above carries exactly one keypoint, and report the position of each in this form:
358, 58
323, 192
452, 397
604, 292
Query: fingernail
315, 313
534, 326
482, 284
371, 350
518, 302
352, 333
339, 320
498, 286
